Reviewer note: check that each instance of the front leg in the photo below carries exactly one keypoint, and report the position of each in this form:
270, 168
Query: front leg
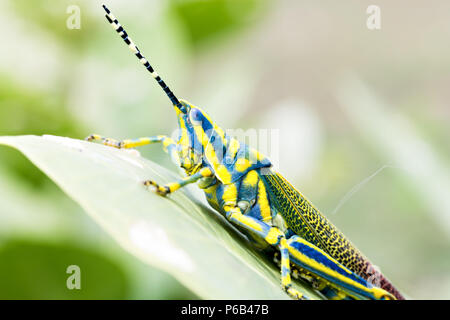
168, 144
127, 143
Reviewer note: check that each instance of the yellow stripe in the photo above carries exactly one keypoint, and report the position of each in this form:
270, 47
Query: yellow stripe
251, 178
184, 139
230, 195
233, 148
273, 236
138, 143
206, 172
173, 186
320, 267
250, 223
285, 281
219, 169
264, 202
242, 164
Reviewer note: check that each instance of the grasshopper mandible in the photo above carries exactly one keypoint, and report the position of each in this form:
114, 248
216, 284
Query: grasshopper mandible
239, 183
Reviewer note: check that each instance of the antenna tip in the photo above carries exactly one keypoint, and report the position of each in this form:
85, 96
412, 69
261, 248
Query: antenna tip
106, 9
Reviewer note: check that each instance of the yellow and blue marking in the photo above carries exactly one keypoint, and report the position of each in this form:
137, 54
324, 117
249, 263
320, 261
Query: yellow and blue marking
271, 212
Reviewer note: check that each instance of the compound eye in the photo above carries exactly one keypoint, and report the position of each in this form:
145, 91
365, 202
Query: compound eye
196, 117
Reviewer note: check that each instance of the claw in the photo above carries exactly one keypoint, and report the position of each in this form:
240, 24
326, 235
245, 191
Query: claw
295, 294
92, 137
106, 141
161, 190
112, 143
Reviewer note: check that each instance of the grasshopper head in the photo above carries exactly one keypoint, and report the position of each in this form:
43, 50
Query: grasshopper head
197, 133
200, 141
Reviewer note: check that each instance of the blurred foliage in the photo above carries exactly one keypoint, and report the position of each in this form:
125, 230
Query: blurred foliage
34, 272
33, 264
50, 19
204, 21
239, 60
148, 226
27, 111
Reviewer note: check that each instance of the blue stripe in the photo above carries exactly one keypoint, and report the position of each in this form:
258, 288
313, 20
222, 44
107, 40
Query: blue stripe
323, 259
333, 280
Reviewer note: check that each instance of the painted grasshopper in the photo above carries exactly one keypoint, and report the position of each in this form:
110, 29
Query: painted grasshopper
239, 183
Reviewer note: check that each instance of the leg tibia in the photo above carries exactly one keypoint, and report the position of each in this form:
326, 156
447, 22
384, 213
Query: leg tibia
286, 282
128, 143
168, 144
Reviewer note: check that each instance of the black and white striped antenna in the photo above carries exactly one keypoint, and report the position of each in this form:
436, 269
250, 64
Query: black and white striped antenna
121, 31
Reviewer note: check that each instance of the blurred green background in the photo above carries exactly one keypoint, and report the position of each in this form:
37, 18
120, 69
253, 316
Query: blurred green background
362, 116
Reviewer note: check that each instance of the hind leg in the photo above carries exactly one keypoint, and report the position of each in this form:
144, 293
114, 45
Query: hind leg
286, 281
274, 237
168, 144
262, 230
338, 279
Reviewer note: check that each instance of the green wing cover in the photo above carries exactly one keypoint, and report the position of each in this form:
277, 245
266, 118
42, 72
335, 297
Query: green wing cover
307, 222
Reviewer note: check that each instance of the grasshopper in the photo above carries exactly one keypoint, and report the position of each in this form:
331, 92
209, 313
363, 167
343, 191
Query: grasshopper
240, 184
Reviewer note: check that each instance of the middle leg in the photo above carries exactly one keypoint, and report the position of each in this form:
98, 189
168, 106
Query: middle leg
272, 235
163, 190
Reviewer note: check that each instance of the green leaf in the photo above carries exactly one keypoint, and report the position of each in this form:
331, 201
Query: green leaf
179, 234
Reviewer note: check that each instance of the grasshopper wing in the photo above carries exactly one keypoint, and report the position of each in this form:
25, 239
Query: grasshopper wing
305, 220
